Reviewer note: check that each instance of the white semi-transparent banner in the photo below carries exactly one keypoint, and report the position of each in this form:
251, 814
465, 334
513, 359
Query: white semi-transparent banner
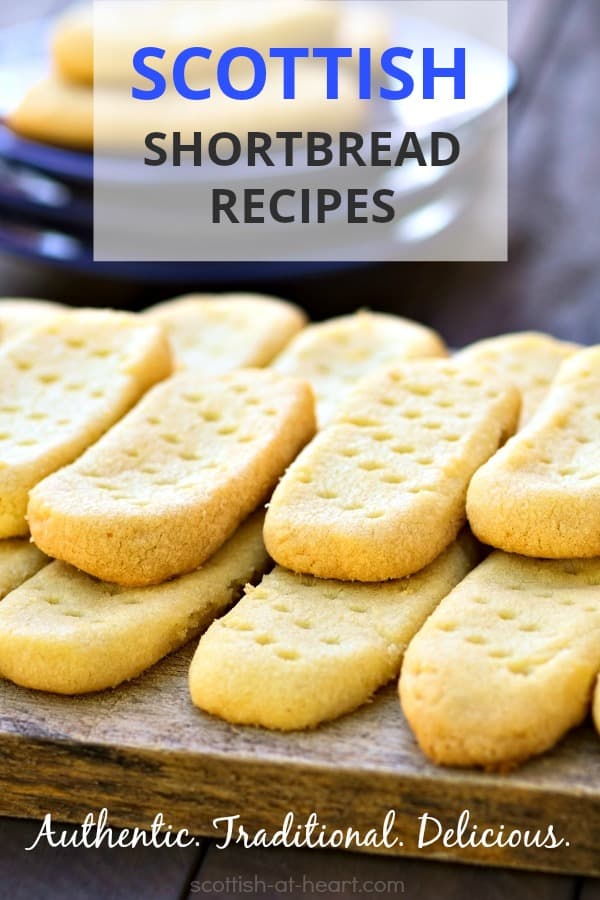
233, 130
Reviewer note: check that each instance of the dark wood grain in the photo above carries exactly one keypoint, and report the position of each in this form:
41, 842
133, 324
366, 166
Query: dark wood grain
344, 875
143, 748
590, 890
117, 874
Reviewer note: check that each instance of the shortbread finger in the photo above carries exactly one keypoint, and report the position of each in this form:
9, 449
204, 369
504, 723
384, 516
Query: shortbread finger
68, 633
297, 651
506, 664
596, 705
20, 314
215, 334
333, 355
72, 45
381, 491
529, 359
53, 111
63, 385
19, 560
169, 484
540, 495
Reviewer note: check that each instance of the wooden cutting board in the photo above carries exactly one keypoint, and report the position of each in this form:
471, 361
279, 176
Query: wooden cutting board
144, 748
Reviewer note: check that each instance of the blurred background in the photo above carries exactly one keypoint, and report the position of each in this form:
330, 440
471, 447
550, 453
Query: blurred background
552, 279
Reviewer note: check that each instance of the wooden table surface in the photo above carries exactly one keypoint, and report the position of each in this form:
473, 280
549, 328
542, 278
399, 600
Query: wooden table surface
552, 281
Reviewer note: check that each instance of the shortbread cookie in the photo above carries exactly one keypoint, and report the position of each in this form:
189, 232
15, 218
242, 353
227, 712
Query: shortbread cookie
333, 355
381, 491
540, 495
65, 632
596, 705
213, 334
19, 560
298, 650
63, 385
529, 359
169, 484
72, 44
506, 664
20, 314
55, 112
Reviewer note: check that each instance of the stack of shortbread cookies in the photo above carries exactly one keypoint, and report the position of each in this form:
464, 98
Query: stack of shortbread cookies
92, 74
135, 479
137, 451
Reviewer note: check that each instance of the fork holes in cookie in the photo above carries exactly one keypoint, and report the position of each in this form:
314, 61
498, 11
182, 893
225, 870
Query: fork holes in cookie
362, 422
369, 465
188, 456
420, 390
507, 615
288, 655
236, 625
520, 667
264, 640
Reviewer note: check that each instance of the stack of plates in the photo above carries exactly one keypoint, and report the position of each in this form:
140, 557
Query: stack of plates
46, 192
